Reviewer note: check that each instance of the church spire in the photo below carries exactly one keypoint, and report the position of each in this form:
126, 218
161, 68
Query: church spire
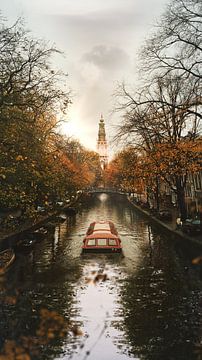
102, 144
101, 132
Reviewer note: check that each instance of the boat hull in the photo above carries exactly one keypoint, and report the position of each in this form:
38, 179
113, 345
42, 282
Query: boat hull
101, 250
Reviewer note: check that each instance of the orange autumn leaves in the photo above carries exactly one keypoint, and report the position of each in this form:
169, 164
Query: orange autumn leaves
132, 170
36, 163
52, 326
36, 168
175, 159
125, 171
80, 174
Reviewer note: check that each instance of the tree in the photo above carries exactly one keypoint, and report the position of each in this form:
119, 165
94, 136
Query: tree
176, 46
163, 108
166, 111
92, 159
172, 163
87, 164
124, 171
161, 115
30, 98
28, 82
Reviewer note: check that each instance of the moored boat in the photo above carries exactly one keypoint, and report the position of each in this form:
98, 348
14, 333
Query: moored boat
37, 235
25, 245
7, 257
101, 237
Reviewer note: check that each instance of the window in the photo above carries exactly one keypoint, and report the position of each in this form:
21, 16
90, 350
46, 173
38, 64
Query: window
91, 242
102, 242
112, 242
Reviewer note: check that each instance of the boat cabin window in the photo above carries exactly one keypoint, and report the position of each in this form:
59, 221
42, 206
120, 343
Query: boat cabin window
91, 242
101, 242
112, 242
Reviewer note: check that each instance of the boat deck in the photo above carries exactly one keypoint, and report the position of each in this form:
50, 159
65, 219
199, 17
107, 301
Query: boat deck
100, 237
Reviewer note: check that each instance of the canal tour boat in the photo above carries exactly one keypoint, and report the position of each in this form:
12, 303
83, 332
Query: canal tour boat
101, 237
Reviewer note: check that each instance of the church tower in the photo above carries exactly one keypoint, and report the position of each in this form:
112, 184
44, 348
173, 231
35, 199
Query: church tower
102, 144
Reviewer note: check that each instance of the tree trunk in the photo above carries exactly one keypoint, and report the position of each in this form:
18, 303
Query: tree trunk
157, 194
181, 198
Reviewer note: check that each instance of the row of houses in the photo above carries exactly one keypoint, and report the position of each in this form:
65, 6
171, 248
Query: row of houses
193, 195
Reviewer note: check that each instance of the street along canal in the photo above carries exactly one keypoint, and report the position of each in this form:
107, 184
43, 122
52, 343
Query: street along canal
57, 304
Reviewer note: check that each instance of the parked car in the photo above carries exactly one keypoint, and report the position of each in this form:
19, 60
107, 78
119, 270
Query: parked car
192, 226
59, 203
40, 209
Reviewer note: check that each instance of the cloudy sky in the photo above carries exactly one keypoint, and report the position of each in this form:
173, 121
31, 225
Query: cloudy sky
100, 40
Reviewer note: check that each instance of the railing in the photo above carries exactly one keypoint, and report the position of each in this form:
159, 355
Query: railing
106, 191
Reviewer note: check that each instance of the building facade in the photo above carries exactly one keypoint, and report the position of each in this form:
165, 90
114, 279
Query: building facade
102, 147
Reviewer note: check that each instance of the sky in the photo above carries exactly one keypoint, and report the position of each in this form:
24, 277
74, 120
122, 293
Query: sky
100, 41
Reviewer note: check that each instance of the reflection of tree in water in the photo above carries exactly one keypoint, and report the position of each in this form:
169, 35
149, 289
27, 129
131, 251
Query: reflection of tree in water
36, 310
160, 320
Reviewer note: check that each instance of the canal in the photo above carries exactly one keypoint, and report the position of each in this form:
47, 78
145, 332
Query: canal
57, 304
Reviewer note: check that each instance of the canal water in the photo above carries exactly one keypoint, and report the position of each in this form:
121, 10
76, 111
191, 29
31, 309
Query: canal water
57, 304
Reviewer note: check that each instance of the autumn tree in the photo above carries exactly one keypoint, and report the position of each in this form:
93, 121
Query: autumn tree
172, 163
30, 98
171, 59
84, 164
165, 112
161, 115
92, 159
124, 171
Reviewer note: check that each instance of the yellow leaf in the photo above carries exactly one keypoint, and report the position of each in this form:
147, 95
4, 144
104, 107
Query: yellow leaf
19, 157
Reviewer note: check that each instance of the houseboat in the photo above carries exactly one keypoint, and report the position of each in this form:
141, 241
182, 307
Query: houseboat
101, 237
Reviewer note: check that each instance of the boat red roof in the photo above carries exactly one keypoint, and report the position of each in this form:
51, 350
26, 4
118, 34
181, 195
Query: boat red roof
101, 235
98, 238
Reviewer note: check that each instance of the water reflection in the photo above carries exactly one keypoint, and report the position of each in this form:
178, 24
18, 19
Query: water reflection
144, 306
159, 311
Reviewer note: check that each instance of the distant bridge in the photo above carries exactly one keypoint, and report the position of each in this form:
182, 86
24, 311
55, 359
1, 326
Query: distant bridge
105, 191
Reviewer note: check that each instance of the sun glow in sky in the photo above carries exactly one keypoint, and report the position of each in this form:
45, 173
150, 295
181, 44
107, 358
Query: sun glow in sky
100, 41
71, 123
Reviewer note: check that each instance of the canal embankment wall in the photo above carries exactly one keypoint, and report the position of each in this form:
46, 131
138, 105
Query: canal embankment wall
166, 227
8, 237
